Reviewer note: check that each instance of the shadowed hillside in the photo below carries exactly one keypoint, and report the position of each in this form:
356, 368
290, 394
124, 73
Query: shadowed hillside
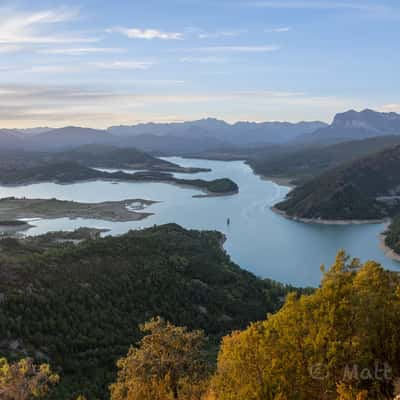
366, 189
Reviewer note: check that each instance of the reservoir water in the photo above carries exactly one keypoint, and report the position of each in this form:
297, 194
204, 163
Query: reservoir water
257, 239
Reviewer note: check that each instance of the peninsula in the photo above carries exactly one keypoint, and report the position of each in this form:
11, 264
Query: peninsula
15, 209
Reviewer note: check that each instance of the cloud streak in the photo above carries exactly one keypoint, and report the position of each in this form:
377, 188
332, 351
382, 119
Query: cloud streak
394, 107
323, 5
10, 48
203, 60
30, 105
87, 67
147, 34
82, 50
282, 29
233, 49
220, 34
24, 28
124, 65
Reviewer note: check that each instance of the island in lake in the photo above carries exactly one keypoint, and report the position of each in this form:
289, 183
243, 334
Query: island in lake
21, 168
116, 211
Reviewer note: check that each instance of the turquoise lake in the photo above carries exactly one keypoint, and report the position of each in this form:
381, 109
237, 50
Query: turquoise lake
257, 239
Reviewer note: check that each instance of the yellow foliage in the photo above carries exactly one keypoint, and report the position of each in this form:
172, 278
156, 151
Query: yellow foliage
168, 364
322, 345
346, 392
24, 380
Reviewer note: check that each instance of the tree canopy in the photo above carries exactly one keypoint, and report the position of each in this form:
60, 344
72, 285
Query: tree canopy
24, 380
168, 364
342, 342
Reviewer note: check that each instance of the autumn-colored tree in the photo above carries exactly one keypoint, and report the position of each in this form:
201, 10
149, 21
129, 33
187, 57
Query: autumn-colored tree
24, 380
168, 364
341, 342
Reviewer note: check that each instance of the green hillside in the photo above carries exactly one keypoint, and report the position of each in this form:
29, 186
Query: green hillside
365, 189
79, 306
300, 164
392, 236
71, 171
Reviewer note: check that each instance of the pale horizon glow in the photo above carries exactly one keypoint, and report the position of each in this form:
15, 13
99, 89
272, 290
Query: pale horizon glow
72, 63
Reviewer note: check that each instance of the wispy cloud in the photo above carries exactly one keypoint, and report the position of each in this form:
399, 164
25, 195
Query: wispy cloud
23, 28
203, 60
147, 34
322, 4
124, 64
50, 69
10, 48
220, 34
82, 50
95, 106
394, 107
278, 30
80, 67
156, 82
234, 49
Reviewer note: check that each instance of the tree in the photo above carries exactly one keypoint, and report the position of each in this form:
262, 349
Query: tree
24, 380
168, 364
341, 342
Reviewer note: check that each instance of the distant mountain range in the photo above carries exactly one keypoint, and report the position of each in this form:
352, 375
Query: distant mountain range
353, 125
175, 138
207, 134
239, 134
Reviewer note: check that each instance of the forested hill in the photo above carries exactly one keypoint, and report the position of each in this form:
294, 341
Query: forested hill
71, 172
366, 189
79, 306
303, 163
103, 156
392, 236
91, 155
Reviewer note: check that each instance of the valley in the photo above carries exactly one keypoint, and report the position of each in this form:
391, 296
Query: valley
199, 200
103, 238
254, 230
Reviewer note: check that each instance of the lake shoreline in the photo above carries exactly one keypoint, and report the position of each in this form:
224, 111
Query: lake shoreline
294, 250
330, 222
208, 194
14, 229
114, 181
388, 251
287, 182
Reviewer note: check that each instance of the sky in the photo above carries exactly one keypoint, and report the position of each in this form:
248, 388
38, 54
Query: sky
99, 63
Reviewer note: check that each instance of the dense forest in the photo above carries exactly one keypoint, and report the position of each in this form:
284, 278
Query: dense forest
302, 163
340, 342
91, 155
392, 235
79, 306
366, 189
